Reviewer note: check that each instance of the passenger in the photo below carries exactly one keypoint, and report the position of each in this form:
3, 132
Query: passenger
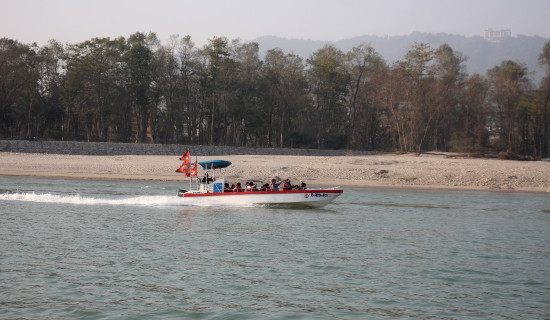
253, 186
238, 188
274, 186
226, 188
303, 186
207, 179
287, 185
265, 187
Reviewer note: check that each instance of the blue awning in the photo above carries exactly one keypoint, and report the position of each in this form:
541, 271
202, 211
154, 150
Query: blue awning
214, 164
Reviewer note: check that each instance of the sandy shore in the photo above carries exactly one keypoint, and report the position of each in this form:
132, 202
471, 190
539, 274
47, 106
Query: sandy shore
408, 170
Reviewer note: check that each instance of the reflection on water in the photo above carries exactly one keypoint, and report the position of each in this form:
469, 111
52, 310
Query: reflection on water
92, 249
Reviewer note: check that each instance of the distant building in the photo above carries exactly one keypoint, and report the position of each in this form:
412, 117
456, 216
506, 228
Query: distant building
497, 35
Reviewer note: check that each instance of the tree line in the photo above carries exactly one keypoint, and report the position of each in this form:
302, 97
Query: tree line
140, 90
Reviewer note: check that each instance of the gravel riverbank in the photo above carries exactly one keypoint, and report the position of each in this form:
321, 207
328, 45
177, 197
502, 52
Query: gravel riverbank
334, 168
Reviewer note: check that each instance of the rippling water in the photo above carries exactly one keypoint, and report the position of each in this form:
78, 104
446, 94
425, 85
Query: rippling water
73, 249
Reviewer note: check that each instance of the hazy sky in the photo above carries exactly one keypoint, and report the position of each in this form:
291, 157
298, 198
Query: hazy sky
75, 21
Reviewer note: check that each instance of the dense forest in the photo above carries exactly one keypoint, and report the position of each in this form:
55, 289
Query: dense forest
137, 89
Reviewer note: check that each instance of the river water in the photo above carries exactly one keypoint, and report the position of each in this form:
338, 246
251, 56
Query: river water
84, 249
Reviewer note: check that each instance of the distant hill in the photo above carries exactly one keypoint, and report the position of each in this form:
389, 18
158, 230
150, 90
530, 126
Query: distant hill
481, 54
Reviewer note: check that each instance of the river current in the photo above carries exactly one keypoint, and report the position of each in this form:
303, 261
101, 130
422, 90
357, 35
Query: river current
85, 249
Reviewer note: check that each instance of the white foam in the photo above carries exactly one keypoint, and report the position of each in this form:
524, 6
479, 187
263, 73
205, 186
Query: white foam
79, 200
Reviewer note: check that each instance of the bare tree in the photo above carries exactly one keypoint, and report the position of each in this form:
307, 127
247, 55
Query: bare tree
508, 83
364, 66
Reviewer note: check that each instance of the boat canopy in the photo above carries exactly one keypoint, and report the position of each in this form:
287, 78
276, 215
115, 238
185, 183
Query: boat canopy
214, 164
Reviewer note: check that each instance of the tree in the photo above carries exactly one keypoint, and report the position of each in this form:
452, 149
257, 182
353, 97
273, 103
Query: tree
245, 98
286, 96
544, 60
470, 133
419, 99
49, 90
18, 87
509, 82
189, 71
449, 74
392, 94
328, 80
28, 95
214, 81
364, 66
138, 62
92, 77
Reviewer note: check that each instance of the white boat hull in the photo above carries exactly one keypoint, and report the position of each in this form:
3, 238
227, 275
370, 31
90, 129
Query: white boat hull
314, 198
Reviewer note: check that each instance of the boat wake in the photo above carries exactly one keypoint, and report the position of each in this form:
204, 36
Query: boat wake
80, 200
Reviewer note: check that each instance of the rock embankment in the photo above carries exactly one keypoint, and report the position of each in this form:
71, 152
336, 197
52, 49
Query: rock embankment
115, 149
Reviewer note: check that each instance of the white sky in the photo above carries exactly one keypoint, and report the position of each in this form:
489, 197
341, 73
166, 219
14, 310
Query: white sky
75, 21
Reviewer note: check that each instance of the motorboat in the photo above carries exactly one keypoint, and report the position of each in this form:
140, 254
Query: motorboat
212, 190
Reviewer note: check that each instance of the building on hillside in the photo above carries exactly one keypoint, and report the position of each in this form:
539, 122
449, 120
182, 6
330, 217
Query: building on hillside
497, 35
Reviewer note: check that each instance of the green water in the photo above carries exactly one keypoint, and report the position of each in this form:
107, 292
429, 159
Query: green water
73, 249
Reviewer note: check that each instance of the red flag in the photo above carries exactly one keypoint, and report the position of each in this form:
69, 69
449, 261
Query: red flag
183, 168
185, 156
192, 170
186, 165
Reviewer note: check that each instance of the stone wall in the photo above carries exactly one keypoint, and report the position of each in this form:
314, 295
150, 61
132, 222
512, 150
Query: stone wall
107, 148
